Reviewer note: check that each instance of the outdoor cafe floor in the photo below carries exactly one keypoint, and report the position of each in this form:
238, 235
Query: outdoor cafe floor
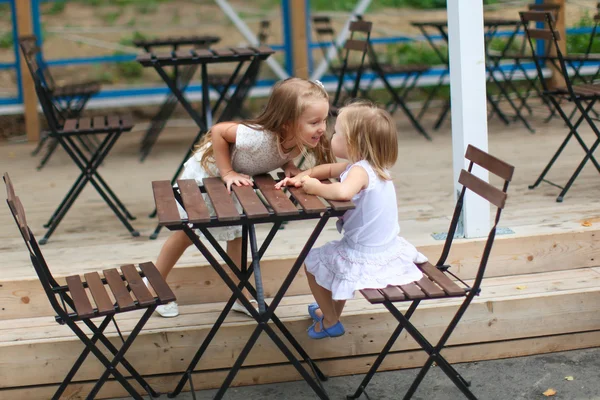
91, 237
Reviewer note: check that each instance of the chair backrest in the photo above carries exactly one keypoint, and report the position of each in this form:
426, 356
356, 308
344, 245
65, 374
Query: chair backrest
550, 35
492, 194
356, 45
326, 37
51, 111
33, 53
264, 32
51, 287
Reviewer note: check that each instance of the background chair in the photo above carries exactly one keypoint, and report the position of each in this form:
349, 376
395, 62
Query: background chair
72, 305
438, 281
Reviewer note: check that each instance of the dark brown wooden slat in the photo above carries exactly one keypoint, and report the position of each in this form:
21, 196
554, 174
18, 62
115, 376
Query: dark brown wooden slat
194, 203
264, 50
361, 26
10, 189
126, 122
251, 203
544, 34
430, 288
278, 201
144, 58
21, 219
353, 44
393, 293
441, 279
83, 307
184, 55
99, 123
166, 206
101, 298
117, 287
203, 53
223, 52
113, 122
539, 16
412, 291
482, 188
324, 31
543, 7
309, 203
373, 296
85, 124
321, 18
244, 51
221, 200
70, 125
489, 162
162, 289
137, 286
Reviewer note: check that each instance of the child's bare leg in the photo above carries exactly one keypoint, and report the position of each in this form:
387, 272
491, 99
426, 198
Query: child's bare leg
171, 252
234, 251
326, 304
338, 305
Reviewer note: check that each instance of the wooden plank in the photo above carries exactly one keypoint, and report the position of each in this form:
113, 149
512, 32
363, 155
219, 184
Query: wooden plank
166, 206
137, 286
278, 201
83, 307
482, 188
117, 286
162, 290
309, 203
113, 121
339, 205
351, 365
194, 204
441, 279
221, 200
223, 52
84, 124
242, 51
70, 125
103, 303
489, 162
252, 205
393, 293
373, 296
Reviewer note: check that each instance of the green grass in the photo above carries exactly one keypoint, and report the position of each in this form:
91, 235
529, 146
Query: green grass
6, 40
580, 43
55, 8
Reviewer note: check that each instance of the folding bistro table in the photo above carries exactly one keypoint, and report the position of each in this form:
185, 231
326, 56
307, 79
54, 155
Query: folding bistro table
182, 76
277, 210
203, 57
430, 29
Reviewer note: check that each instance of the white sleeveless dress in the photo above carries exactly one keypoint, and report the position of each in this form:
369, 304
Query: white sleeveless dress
254, 152
370, 254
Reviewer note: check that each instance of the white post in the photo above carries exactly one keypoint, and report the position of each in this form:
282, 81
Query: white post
469, 103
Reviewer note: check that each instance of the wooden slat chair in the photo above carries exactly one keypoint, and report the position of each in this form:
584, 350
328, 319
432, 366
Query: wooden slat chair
111, 295
69, 99
583, 96
439, 282
69, 134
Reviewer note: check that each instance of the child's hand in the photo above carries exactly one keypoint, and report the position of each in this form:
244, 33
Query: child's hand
288, 182
291, 170
232, 177
309, 184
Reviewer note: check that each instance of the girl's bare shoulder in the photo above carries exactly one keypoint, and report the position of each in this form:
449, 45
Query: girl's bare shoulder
227, 130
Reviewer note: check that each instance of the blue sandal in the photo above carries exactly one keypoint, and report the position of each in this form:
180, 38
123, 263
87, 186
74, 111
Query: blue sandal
333, 331
312, 311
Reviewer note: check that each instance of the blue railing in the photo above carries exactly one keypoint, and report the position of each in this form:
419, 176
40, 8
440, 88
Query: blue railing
161, 90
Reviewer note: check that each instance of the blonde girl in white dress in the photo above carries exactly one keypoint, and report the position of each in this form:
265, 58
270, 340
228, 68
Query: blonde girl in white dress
370, 254
293, 122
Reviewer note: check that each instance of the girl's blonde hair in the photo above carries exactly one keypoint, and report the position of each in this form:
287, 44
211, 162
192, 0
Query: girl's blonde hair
286, 104
371, 135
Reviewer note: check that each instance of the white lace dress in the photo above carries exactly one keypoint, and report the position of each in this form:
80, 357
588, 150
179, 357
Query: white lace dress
254, 152
371, 254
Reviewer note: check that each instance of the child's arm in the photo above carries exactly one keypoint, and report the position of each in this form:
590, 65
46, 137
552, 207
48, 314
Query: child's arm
323, 171
223, 135
356, 181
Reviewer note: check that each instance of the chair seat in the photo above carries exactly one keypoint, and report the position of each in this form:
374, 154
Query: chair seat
77, 89
434, 284
101, 124
118, 285
586, 90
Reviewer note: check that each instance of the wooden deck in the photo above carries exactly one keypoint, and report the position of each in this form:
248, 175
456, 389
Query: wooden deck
547, 270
